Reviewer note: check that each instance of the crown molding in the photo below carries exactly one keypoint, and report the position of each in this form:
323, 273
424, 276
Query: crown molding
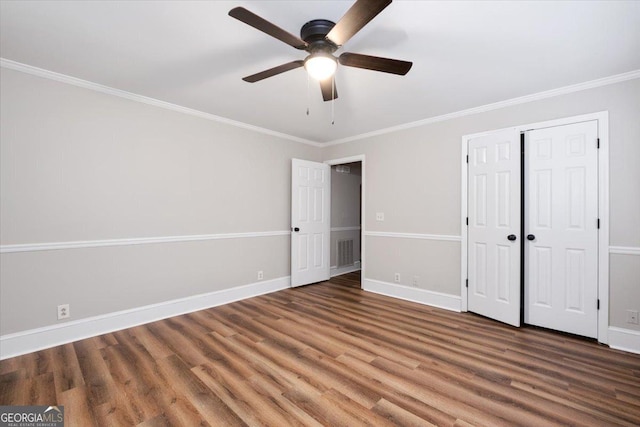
13, 65
631, 75
51, 75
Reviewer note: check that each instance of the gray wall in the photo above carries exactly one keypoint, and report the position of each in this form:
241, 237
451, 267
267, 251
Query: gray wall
345, 208
413, 176
78, 165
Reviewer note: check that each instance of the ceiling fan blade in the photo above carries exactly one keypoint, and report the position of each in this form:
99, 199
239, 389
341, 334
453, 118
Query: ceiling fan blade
250, 18
273, 71
356, 17
375, 63
328, 88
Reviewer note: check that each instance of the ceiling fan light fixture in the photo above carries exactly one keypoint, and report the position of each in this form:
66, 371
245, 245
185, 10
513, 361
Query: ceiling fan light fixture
321, 65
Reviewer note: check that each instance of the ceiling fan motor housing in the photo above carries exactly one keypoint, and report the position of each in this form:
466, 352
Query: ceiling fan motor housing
314, 33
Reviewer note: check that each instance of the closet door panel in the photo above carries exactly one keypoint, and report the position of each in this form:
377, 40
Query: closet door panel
561, 212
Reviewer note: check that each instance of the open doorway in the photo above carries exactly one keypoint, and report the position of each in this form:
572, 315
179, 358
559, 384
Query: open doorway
346, 218
322, 247
347, 213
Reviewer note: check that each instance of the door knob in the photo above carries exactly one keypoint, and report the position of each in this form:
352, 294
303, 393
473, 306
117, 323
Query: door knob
296, 229
511, 237
531, 237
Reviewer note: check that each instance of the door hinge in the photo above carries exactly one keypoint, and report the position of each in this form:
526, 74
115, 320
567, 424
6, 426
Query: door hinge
467, 220
598, 305
467, 283
598, 143
467, 158
598, 223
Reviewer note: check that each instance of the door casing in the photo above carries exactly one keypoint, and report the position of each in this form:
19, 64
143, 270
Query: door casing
603, 209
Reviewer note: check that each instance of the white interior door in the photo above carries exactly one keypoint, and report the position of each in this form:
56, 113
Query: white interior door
310, 222
561, 224
494, 226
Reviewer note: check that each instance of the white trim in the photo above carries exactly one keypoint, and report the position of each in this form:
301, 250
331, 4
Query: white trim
441, 237
49, 336
603, 202
363, 182
13, 65
338, 271
624, 250
497, 105
17, 66
542, 125
464, 214
31, 247
603, 233
344, 160
624, 339
354, 228
422, 296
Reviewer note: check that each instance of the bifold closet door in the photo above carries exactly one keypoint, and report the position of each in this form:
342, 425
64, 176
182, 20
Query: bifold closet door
561, 228
494, 226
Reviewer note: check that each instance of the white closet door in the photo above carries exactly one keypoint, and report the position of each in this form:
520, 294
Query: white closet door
494, 226
561, 214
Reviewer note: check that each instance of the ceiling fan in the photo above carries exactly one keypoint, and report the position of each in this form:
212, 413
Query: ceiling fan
321, 38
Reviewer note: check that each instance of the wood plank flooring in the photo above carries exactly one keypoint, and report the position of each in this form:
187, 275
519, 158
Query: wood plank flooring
329, 354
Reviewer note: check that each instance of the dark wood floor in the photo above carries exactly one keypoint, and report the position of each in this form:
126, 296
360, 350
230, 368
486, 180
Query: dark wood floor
329, 354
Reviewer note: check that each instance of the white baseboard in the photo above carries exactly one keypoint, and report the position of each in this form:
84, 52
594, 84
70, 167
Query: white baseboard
435, 299
50, 336
335, 271
624, 339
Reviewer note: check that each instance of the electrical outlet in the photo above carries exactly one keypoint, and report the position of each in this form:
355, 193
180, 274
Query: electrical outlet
63, 311
379, 216
632, 317
260, 275
396, 277
414, 281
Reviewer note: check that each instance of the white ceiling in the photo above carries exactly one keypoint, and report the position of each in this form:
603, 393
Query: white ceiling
465, 54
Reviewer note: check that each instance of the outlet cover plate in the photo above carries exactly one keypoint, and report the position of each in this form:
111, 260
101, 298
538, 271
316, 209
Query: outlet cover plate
63, 311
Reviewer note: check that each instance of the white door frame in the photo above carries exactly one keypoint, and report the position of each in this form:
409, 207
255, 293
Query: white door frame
351, 159
603, 209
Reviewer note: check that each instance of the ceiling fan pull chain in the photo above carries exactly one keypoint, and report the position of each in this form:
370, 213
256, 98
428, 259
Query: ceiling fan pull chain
333, 100
308, 93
